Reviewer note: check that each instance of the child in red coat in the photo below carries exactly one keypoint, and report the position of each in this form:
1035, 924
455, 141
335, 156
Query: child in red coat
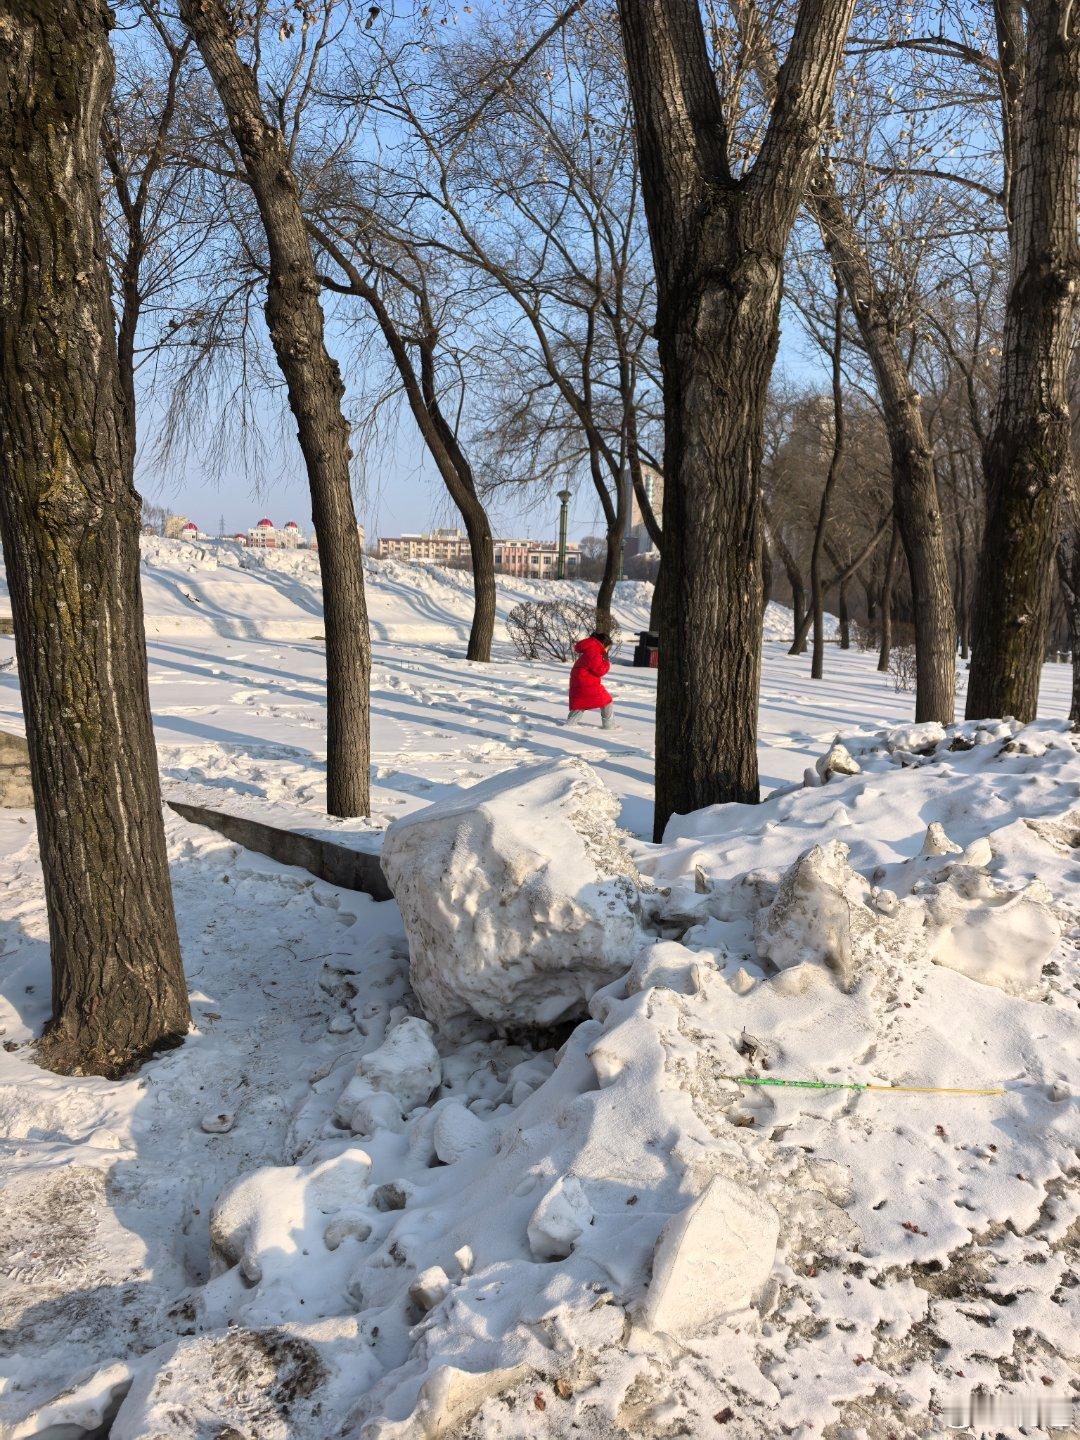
586, 692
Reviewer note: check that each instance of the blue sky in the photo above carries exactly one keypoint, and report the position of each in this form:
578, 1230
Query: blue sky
399, 492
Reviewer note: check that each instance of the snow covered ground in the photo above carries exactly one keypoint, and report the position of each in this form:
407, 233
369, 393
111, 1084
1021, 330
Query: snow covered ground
493, 1211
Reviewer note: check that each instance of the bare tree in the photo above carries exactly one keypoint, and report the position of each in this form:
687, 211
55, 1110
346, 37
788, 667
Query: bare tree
1028, 456
146, 210
368, 264
718, 244
537, 194
914, 487
69, 517
294, 318
836, 461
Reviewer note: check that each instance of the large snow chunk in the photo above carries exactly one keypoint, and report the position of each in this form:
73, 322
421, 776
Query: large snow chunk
810, 921
518, 896
406, 1065
711, 1259
999, 937
264, 1216
559, 1220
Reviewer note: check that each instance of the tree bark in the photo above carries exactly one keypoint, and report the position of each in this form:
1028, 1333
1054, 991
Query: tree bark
887, 600
294, 318
69, 518
1027, 460
836, 461
718, 250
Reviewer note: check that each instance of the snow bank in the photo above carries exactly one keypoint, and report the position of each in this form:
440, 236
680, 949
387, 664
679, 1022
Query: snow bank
518, 896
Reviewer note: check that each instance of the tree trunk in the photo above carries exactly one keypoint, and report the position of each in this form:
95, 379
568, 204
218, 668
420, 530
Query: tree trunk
836, 461
657, 601
421, 391
458, 478
1027, 460
843, 616
791, 570
887, 600
612, 557
718, 251
69, 517
294, 318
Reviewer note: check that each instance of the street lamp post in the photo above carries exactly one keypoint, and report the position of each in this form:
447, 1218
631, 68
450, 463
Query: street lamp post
560, 569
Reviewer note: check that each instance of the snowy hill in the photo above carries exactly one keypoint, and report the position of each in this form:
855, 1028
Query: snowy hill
221, 588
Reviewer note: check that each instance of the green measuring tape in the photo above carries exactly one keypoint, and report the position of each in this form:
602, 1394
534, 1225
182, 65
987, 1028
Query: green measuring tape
858, 1085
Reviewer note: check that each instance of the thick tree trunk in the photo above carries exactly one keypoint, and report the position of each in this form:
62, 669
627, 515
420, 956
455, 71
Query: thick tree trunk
69, 517
718, 250
294, 318
1027, 459
885, 648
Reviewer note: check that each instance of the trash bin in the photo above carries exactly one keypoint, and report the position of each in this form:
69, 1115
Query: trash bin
646, 650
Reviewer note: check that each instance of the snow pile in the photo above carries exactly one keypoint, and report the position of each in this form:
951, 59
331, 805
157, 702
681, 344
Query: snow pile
518, 897
619, 1237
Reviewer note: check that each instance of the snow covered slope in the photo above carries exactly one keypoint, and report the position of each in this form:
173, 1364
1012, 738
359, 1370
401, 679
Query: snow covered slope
220, 588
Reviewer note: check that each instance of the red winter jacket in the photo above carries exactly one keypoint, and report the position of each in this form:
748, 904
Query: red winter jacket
586, 692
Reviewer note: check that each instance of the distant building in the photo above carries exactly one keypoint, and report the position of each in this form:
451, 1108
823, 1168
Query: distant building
535, 558
189, 531
263, 535
444, 545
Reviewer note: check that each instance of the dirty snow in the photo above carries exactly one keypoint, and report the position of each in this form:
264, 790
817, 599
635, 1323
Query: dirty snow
393, 1233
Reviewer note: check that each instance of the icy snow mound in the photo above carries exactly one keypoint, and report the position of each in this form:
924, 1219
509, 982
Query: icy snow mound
518, 896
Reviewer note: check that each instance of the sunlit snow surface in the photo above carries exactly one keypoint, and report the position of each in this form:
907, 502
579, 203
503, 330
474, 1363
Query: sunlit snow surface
927, 1245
